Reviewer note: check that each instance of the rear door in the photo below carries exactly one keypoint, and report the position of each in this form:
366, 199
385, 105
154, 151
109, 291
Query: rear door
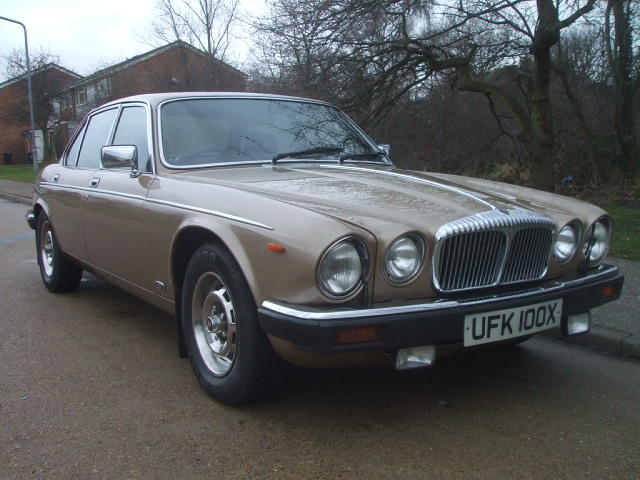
66, 190
114, 216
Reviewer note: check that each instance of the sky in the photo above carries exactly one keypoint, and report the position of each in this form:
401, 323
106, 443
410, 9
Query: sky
85, 34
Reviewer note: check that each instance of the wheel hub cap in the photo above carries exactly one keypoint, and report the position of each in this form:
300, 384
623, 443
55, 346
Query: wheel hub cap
214, 325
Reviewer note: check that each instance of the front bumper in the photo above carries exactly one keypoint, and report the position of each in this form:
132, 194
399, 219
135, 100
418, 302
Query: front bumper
438, 322
30, 217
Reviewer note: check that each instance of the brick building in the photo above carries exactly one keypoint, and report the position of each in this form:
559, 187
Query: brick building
177, 66
14, 108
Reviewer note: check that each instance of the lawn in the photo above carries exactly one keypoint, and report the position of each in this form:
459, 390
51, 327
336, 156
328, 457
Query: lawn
626, 230
19, 173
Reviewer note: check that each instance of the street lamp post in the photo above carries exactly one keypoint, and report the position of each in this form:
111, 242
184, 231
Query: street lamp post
33, 126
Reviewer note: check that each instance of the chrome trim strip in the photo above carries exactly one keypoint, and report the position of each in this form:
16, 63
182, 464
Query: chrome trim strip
211, 212
162, 202
416, 180
303, 313
93, 190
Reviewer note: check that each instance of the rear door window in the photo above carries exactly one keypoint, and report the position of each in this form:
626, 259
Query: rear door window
96, 137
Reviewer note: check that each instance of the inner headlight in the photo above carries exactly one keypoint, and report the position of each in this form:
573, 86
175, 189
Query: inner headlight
566, 242
404, 258
340, 269
600, 235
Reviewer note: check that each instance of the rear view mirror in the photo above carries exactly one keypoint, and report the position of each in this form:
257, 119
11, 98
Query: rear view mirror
119, 156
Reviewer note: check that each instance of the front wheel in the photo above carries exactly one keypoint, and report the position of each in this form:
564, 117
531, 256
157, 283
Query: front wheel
58, 273
230, 354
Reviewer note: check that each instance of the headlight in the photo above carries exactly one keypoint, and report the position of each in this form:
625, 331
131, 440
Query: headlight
566, 242
404, 258
340, 269
601, 235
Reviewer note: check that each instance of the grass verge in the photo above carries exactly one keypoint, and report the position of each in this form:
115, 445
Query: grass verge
18, 173
626, 230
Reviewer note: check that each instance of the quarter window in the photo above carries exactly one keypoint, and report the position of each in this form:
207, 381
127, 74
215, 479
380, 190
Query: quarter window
132, 130
96, 137
72, 154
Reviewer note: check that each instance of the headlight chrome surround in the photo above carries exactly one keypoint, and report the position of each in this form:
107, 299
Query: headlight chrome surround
601, 229
569, 233
348, 250
391, 269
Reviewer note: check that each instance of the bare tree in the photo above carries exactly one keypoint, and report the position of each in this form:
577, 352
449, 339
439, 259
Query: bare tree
206, 24
397, 48
619, 45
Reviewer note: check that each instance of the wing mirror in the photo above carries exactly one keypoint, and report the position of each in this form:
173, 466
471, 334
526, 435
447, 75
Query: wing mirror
121, 156
385, 147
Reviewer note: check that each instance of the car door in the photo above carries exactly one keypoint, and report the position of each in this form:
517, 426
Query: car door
65, 191
114, 217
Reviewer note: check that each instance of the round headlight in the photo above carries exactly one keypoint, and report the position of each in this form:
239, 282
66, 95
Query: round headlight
601, 235
340, 269
566, 243
404, 258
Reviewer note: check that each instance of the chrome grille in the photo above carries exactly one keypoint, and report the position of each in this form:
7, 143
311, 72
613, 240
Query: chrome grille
528, 255
492, 248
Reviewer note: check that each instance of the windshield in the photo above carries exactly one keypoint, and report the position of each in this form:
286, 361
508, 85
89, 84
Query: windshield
207, 131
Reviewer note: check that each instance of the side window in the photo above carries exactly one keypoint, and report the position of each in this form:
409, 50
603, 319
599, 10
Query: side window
72, 154
132, 130
95, 138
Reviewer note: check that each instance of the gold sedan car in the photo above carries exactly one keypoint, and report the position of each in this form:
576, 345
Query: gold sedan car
274, 229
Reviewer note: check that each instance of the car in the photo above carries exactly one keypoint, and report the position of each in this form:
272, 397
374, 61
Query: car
277, 232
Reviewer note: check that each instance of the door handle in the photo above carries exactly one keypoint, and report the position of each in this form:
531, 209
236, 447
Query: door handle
95, 181
56, 177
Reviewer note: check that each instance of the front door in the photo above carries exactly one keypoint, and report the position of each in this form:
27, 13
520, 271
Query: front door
114, 212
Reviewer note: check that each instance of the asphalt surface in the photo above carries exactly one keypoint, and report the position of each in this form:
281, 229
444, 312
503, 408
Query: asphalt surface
91, 387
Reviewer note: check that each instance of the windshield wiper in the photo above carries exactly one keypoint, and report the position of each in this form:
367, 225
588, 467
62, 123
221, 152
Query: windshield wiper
355, 156
308, 151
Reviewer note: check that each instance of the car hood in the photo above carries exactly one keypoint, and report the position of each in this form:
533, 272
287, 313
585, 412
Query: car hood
366, 195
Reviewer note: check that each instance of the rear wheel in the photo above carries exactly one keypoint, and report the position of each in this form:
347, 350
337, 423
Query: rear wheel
230, 354
59, 274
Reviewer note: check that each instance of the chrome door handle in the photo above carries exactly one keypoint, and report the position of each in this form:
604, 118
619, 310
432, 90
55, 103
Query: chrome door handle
95, 181
56, 177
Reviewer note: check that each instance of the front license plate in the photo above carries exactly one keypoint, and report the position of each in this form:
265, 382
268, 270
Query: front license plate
487, 327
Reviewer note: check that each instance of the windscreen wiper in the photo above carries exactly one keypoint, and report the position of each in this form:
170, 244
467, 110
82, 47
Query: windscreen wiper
356, 156
308, 151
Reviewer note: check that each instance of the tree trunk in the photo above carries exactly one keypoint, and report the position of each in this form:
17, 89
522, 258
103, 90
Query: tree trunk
540, 146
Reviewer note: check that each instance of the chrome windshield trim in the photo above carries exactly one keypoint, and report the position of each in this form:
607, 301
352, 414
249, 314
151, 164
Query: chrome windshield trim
417, 180
303, 313
211, 212
182, 206
231, 96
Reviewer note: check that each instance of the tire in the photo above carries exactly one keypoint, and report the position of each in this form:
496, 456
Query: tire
58, 273
230, 354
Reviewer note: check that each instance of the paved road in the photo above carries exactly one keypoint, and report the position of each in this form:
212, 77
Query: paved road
91, 387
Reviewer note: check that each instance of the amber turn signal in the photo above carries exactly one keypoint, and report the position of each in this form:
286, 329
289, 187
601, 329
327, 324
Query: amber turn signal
274, 247
608, 290
358, 335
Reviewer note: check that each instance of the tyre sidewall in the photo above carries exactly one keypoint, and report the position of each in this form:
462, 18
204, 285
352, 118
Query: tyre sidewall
235, 385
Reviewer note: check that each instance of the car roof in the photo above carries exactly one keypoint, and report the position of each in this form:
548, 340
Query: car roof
156, 98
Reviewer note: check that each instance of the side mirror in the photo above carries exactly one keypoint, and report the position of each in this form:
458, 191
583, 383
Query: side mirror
385, 147
120, 156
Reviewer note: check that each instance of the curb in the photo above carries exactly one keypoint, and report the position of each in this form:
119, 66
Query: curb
15, 198
614, 342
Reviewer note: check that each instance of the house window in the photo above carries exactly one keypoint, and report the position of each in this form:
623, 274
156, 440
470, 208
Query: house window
81, 96
65, 102
103, 87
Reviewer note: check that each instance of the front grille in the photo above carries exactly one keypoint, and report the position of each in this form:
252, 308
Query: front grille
492, 248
